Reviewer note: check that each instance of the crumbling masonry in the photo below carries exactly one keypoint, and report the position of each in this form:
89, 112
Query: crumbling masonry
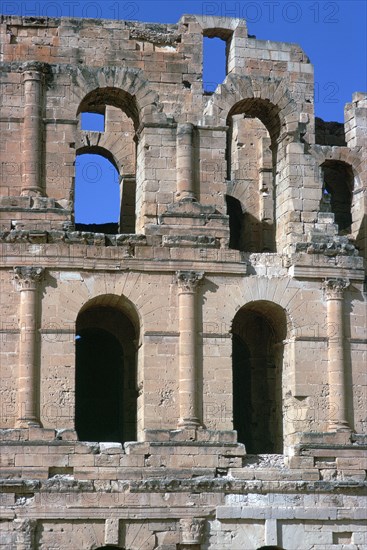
195, 377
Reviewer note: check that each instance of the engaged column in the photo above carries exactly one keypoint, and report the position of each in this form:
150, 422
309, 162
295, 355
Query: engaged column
334, 290
32, 140
188, 377
28, 279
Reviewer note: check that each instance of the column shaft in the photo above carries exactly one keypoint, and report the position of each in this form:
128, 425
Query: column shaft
188, 376
336, 364
185, 173
28, 378
32, 133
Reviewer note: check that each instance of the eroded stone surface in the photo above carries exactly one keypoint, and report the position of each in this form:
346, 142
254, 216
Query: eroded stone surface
192, 375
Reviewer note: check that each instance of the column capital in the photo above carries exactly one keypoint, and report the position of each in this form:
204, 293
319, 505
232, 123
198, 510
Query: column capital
192, 530
184, 128
188, 280
334, 288
36, 71
35, 67
27, 277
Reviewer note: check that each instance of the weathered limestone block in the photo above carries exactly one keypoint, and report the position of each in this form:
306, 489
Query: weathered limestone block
144, 405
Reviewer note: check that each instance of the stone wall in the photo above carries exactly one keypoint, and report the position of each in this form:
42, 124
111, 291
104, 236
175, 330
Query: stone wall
235, 397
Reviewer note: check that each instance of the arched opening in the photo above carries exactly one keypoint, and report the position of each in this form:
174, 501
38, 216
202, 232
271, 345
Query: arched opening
338, 192
97, 101
105, 374
114, 138
258, 332
254, 127
97, 192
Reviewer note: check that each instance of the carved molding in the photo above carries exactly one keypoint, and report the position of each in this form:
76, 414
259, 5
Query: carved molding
188, 280
28, 277
192, 530
36, 70
35, 66
334, 288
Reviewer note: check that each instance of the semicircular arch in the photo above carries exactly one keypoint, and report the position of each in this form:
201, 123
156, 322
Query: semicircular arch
123, 87
265, 98
120, 303
98, 150
342, 155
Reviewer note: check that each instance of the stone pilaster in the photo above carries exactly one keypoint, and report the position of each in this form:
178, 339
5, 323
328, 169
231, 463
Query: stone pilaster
334, 294
28, 279
188, 376
185, 172
26, 530
32, 141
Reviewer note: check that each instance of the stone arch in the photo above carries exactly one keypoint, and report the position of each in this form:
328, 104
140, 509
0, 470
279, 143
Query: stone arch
102, 151
252, 158
119, 302
281, 292
110, 95
258, 331
129, 83
127, 101
237, 90
353, 164
340, 154
107, 335
259, 118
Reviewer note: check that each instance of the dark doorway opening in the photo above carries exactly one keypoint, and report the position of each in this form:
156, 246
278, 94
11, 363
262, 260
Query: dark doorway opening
338, 192
258, 331
234, 211
242, 410
99, 386
105, 375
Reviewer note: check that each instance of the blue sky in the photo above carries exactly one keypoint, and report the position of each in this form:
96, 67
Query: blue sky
332, 33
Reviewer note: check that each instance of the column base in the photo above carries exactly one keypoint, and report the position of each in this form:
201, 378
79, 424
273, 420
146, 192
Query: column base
186, 196
31, 192
334, 437
339, 427
189, 423
28, 423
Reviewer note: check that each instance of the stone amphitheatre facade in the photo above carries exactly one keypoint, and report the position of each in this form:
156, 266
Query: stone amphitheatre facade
195, 377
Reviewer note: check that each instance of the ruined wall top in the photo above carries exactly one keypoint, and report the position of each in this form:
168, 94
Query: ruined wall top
169, 59
51, 39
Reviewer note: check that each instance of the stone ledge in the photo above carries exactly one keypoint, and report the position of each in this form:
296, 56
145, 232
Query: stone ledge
71, 237
334, 246
234, 488
187, 436
104, 239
